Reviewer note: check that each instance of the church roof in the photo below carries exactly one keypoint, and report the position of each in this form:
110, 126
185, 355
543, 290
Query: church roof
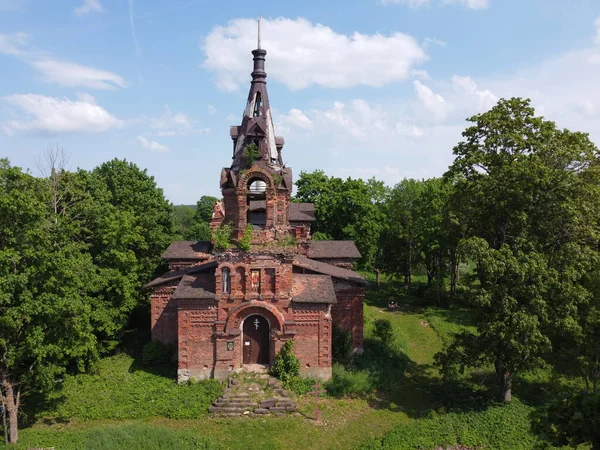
327, 269
176, 274
198, 286
188, 250
301, 212
309, 288
333, 249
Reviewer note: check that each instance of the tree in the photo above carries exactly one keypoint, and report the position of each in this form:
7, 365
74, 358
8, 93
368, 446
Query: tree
129, 225
44, 307
346, 209
526, 193
400, 238
571, 421
204, 209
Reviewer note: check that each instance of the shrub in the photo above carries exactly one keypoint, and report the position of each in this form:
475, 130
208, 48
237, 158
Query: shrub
250, 155
221, 236
156, 354
383, 331
349, 382
286, 364
299, 385
245, 241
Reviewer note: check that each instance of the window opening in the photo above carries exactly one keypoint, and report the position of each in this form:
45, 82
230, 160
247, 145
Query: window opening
257, 105
226, 281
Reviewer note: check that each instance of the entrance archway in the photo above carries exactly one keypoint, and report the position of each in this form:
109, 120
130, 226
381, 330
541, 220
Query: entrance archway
255, 340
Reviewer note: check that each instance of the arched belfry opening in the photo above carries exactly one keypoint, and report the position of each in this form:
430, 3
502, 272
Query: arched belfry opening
257, 105
256, 201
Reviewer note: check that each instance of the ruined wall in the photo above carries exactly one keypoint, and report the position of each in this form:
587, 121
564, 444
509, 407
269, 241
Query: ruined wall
347, 313
312, 339
163, 311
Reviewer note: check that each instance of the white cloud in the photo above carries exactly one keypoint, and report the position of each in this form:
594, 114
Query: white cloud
88, 6
13, 44
301, 55
433, 102
59, 115
428, 41
295, 118
175, 124
153, 146
55, 71
485, 99
472, 4
212, 110
71, 74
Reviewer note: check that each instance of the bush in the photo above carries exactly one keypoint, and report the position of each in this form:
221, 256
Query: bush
221, 236
501, 427
299, 385
156, 354
245, 241
251, 154
286, 364
383, 331
347, 382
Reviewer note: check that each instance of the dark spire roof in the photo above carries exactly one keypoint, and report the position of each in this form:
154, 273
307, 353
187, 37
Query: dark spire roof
257, 122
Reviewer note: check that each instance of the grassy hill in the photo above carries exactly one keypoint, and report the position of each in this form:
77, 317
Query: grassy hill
391, 398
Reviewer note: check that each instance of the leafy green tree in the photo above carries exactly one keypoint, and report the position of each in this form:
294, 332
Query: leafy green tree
129, 225
183, 219
571, 421
400, 253
526, 193
44, 279
204, 208
346, 209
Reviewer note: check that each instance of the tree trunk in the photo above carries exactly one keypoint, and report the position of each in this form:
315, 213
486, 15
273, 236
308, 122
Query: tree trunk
378, 272
4, 427
505, 379
11, 401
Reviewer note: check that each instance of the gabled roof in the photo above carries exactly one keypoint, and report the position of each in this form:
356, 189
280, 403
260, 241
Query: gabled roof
201, 286
176, 274
309, 288
333, 249
188, 250
327, 269
301, 212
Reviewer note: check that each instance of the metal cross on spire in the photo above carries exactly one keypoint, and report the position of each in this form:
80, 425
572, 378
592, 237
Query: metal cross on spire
259, 19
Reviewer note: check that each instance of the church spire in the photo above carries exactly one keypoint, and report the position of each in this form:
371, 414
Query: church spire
257, 123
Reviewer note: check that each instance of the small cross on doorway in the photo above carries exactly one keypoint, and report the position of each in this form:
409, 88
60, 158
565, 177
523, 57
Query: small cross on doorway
256, 340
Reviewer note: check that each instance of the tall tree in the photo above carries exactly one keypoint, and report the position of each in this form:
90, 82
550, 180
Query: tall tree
44, 307
346, 209
527, 193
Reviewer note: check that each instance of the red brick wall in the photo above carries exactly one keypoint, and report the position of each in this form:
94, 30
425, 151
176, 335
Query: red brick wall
164, 314
347, 313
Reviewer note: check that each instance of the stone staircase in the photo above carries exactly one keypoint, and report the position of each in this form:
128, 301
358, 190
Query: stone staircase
253, 394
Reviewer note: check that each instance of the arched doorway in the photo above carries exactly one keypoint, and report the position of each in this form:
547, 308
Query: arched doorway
256, 340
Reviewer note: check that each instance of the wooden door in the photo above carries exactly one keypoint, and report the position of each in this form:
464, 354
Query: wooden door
256, 340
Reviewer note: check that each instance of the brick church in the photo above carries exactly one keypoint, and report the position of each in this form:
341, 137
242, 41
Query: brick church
223, 309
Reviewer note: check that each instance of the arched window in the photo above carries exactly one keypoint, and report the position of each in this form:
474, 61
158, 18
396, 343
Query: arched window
226, 281
257, 205
257, 105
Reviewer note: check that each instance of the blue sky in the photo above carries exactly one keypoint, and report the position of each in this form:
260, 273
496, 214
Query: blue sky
358, 88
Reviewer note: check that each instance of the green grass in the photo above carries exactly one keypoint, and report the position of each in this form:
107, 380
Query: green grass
118, 391
392, 397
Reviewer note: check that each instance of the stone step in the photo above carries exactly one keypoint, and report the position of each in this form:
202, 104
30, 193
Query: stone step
261, 411
227, 409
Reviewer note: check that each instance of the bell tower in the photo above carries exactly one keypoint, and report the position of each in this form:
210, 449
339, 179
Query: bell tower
257, 186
